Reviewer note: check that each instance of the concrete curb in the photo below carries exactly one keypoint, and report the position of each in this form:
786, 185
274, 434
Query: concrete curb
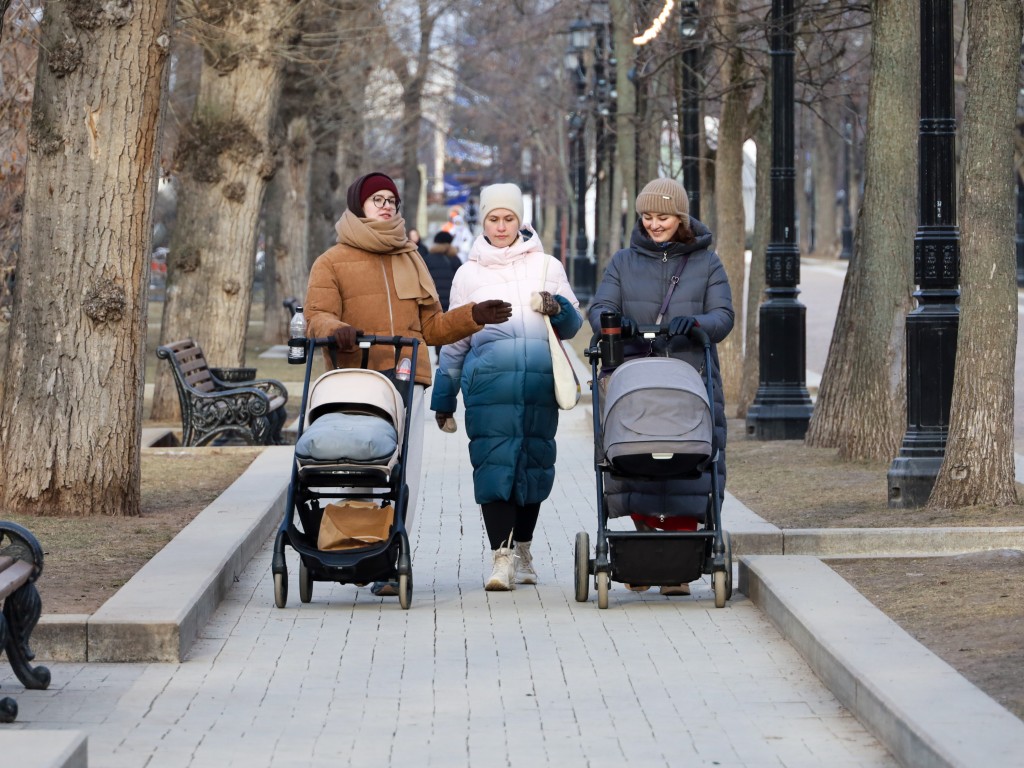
44, 749
157, 615
918, 706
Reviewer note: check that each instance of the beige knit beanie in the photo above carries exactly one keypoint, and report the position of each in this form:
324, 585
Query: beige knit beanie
507, 196
663, 196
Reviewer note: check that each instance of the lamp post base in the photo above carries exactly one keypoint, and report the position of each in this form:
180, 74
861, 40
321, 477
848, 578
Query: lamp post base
779, 421
911, 479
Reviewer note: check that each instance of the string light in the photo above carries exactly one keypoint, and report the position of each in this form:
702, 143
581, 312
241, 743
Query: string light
652, 31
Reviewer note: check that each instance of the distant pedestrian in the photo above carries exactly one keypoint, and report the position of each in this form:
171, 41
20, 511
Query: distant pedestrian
414, 237
443, 262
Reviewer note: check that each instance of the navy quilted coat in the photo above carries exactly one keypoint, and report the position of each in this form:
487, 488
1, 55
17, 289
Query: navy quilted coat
634, 284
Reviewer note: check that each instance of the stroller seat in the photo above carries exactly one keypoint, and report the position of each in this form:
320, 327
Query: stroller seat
353, 427
656, 419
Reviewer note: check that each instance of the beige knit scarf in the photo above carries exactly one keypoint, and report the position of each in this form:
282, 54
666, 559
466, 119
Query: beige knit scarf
389, 238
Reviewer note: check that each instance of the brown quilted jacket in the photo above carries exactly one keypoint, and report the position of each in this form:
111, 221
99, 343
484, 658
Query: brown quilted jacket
349, 286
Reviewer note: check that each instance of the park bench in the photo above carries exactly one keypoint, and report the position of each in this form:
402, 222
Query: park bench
21, 562
223, 402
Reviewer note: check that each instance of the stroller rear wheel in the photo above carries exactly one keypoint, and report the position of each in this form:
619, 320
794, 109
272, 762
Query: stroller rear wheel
719, 583
281, 589
727, 541
405, 591
582, 566
305, 583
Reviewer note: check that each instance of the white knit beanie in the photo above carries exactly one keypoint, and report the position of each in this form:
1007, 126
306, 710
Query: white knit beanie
507, 196
663, 196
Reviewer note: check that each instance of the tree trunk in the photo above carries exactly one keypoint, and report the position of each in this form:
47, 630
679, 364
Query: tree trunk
71, 410
730, 238
861, 405
291, 257
625, 115
273, 202
826, 240
978, 465
224, 160
759, 249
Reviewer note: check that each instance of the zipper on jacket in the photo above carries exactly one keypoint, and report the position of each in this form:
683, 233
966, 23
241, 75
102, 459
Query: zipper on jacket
387, 292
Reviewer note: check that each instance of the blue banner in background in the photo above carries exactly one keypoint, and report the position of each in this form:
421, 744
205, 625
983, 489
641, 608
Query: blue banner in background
455, 193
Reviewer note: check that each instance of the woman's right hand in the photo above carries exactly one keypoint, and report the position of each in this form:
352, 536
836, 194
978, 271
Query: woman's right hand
491, 311
345, 338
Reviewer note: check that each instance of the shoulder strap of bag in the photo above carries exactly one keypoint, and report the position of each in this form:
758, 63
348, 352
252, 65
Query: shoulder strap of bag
671, 288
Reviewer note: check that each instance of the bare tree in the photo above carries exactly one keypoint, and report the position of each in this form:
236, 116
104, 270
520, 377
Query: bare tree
224, 159
71, 409
861, 403
978, 464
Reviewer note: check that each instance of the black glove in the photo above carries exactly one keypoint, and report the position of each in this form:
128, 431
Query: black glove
681, 326
345, 338
491, 311
629, 329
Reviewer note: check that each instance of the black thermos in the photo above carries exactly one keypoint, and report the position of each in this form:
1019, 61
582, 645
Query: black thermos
611, 339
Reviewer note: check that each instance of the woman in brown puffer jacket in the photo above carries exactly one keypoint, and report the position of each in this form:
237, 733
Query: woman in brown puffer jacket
374, 281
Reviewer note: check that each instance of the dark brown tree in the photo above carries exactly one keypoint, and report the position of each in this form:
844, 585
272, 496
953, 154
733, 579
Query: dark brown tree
861, 405
71, 406
978, 465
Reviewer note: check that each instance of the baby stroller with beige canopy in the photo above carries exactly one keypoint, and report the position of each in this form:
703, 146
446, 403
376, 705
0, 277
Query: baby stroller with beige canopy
348, 496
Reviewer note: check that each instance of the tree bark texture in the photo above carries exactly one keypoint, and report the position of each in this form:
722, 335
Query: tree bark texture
861, 405
291, 258
759, 249
625, 115
826, 240
730, 238
71, 409
978, 465
224, 159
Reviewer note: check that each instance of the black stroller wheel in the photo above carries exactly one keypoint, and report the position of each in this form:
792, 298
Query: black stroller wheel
582, 566
727, 541
305, 583
405, 590
281, 589
719, 584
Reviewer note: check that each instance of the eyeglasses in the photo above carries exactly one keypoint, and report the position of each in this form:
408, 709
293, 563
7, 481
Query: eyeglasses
380, 201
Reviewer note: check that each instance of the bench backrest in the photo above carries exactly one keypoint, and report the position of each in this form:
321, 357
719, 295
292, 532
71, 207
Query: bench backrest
190, 363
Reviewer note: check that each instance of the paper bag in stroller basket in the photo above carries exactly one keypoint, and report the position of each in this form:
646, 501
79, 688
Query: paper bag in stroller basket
656, 419
353, 524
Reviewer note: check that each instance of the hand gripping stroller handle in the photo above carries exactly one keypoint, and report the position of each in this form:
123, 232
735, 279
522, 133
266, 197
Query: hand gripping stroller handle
698, 335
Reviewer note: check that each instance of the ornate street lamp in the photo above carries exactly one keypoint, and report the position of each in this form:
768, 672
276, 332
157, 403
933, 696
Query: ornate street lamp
579, 40
690, 32
847, 251
782, 406
931, 327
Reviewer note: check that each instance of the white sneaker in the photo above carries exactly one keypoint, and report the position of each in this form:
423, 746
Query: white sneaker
503, 575
524, 564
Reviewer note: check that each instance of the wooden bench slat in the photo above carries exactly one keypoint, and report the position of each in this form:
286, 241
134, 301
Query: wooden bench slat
14, 576
5, 562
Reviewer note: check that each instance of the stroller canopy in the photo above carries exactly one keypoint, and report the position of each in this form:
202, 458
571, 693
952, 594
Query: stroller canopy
656, 408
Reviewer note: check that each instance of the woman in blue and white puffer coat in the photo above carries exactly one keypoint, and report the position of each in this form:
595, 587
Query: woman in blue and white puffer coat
504, 373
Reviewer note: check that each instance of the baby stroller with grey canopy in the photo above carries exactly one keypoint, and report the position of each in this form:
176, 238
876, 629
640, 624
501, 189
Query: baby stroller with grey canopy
348, 497
653, 422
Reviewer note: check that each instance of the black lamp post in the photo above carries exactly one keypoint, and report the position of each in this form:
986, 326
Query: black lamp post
579, 39
782, 406
932, 326
689, 31
847, 251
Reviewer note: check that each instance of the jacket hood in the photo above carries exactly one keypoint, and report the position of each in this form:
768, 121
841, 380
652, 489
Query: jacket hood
641, 242
488, 255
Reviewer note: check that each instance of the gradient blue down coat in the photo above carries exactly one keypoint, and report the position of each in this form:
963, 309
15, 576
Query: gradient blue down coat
504, 371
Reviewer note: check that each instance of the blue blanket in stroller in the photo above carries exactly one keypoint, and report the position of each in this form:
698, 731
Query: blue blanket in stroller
348, 437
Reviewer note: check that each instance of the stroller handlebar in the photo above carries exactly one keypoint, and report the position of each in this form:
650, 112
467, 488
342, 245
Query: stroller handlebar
368, 340
695, 334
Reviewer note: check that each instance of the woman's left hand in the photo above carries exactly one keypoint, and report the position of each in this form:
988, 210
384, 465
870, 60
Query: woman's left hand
548, 304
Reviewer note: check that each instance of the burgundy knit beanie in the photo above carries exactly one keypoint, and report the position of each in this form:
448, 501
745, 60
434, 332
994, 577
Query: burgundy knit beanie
367, 186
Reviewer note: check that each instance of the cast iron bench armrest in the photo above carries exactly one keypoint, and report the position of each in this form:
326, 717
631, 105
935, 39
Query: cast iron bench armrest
21, 563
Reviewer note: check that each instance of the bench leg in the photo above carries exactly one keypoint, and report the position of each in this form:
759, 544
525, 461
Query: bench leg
20, 615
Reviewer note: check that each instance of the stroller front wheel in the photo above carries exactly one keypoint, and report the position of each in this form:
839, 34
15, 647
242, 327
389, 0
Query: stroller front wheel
719, 583
281, 589
405, 591
305, 583
602, 589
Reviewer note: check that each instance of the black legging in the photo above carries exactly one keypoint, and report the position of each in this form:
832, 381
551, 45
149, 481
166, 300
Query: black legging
502, 518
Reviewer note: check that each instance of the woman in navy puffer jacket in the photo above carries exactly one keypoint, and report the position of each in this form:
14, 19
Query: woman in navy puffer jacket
667, 241
504, 373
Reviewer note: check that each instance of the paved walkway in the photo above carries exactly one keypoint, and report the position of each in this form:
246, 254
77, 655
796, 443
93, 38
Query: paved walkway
466, 677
